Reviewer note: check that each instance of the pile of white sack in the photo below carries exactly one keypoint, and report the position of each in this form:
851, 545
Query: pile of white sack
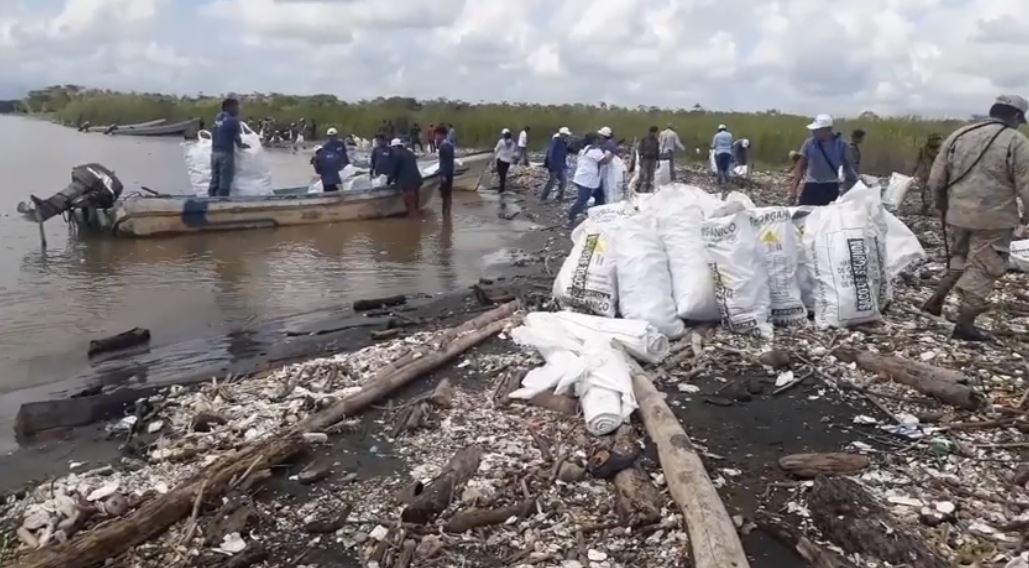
684, 254
581, 359
351, 179
252, 176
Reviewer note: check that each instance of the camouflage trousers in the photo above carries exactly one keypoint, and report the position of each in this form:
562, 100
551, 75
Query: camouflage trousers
981, 257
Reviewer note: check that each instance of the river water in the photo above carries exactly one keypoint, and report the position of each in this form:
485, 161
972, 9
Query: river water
202, 296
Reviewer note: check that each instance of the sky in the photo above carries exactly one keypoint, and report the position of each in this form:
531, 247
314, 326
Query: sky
925, 57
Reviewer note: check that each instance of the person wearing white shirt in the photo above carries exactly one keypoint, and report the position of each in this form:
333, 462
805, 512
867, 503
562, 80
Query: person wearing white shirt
506, 153
523, 147
670, 143
587, 176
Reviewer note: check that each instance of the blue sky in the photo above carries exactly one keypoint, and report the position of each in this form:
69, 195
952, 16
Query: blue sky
931, 57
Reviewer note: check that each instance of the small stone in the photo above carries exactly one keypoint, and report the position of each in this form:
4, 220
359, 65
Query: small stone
571, 473
776, 359
596, 555
379, 533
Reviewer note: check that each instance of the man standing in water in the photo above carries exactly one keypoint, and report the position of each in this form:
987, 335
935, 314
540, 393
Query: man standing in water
446, 167
224, 141
406, 175
977, 178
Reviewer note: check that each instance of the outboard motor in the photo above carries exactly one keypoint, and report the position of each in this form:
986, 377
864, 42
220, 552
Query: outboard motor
92, 185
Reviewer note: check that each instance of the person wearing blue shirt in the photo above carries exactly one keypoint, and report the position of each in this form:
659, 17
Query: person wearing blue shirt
406, 175
381, 162
327, 163
557, 164
452, 135
225, 138
823, 164
336, 144
722, 146
446, 167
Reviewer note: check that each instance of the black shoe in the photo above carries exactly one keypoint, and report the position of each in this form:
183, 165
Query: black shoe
965, 332
934, 306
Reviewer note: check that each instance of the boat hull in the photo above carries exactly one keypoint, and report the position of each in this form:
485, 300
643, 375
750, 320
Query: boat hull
184, 128
113, 127
144, 217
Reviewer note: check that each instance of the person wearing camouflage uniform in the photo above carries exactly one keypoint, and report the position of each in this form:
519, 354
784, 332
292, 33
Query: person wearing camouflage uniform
979, 173
923, 165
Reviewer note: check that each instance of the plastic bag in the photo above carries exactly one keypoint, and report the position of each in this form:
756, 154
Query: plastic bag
640, 338
614, 180
663, 175
738, 269
805, 280
778, 242
692, 287
252, 175
898, 187
1020, 255
644, 280
863, 196
198, 163
587, 281
741, 171
741, 198
712, 162
902, 247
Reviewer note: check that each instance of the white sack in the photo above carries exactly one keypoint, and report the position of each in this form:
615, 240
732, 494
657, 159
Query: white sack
587, 280
640, 338
198, 163
253, 176
738, 270
863, 196
679, 195
644, 280
1020, 255
692, 286
609, 212
613, 180
741, 171
602, 410
840, 242
778, 242
805, 279
663, 175
898, 187
741, 198
712, 162
902, 247
606, 391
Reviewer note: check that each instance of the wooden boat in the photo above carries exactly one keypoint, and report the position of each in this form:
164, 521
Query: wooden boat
184, 128
113, 127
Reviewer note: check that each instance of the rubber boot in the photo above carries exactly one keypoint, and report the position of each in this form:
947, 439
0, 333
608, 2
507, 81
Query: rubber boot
965, 330
934, 305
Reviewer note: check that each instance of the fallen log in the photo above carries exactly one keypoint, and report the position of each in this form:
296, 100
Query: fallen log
945, 385
131, 338
809, 466
155, 516
440, 492
851, 518
406, 554
464, 521
377, 303
713, 539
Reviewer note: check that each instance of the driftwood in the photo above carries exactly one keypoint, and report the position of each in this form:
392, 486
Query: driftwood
559, 403
440, 492
376, 303
639, 502
406, 554
37, 417
812, 465
155, 516
464, 521
131, 338
815, 555
945, 385
713, 537
851, 518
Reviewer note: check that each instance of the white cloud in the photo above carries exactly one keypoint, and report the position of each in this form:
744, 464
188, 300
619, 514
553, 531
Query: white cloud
900, 56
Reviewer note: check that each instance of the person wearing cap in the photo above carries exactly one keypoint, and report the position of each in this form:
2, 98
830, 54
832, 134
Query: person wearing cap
721, 145
406, 175
337, 146
977, 178
923, 165
523, 147
650, 154
328, 162
556, 163
823, 164
446, 167
505, 153
610, 148
587, 178
225, 138
670, 143
381, 160
741, 155
857, 138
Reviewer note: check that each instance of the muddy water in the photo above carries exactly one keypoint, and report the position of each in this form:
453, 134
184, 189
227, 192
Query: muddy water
204, 297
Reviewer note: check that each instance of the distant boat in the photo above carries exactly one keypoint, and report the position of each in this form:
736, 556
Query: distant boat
184, 128
112, 127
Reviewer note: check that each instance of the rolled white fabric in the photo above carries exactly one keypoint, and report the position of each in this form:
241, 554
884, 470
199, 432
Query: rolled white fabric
643, 340
602, 410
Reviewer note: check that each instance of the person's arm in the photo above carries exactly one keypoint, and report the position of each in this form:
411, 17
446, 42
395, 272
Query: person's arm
375, 156
714, 141
239, 134
678, 142
849, 171
939, 175
394, 170
1020, 173
606, 157
797, 177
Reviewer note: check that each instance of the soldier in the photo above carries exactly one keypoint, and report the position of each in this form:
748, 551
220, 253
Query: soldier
924, 163
975, 179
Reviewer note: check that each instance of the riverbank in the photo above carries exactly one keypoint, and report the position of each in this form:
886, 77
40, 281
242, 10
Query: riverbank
947, 481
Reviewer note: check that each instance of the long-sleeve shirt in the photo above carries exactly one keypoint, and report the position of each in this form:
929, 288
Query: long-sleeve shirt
382, 163
523, 139
446, 159
670, 141
722, 142
405, 172
557, 155
505, 150
327, 164
226, 134
338, 146
985, 197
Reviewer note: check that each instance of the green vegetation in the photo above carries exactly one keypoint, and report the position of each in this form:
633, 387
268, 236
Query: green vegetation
892, 143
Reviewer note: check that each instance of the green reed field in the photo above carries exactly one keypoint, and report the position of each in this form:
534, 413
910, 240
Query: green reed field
892, 143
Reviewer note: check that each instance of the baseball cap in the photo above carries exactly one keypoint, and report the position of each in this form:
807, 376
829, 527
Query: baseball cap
723, 127
821, 121
506, 131
332, 132
564, 130
396, 142
1014, 101
605, 132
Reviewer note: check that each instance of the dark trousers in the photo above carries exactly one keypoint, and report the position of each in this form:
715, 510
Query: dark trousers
558, 178
523, 156
223, 170
671, 165
581, 200
819, 193
648, 166
446, 192
502, 169
722, 162
328, 187
417, 143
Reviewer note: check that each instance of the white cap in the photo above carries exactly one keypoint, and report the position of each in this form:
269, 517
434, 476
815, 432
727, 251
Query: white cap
316, 148
821, 121
332, 132
723, 127
396, 142
505, 131
746, 143
564, 130
605, 132
556, 135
